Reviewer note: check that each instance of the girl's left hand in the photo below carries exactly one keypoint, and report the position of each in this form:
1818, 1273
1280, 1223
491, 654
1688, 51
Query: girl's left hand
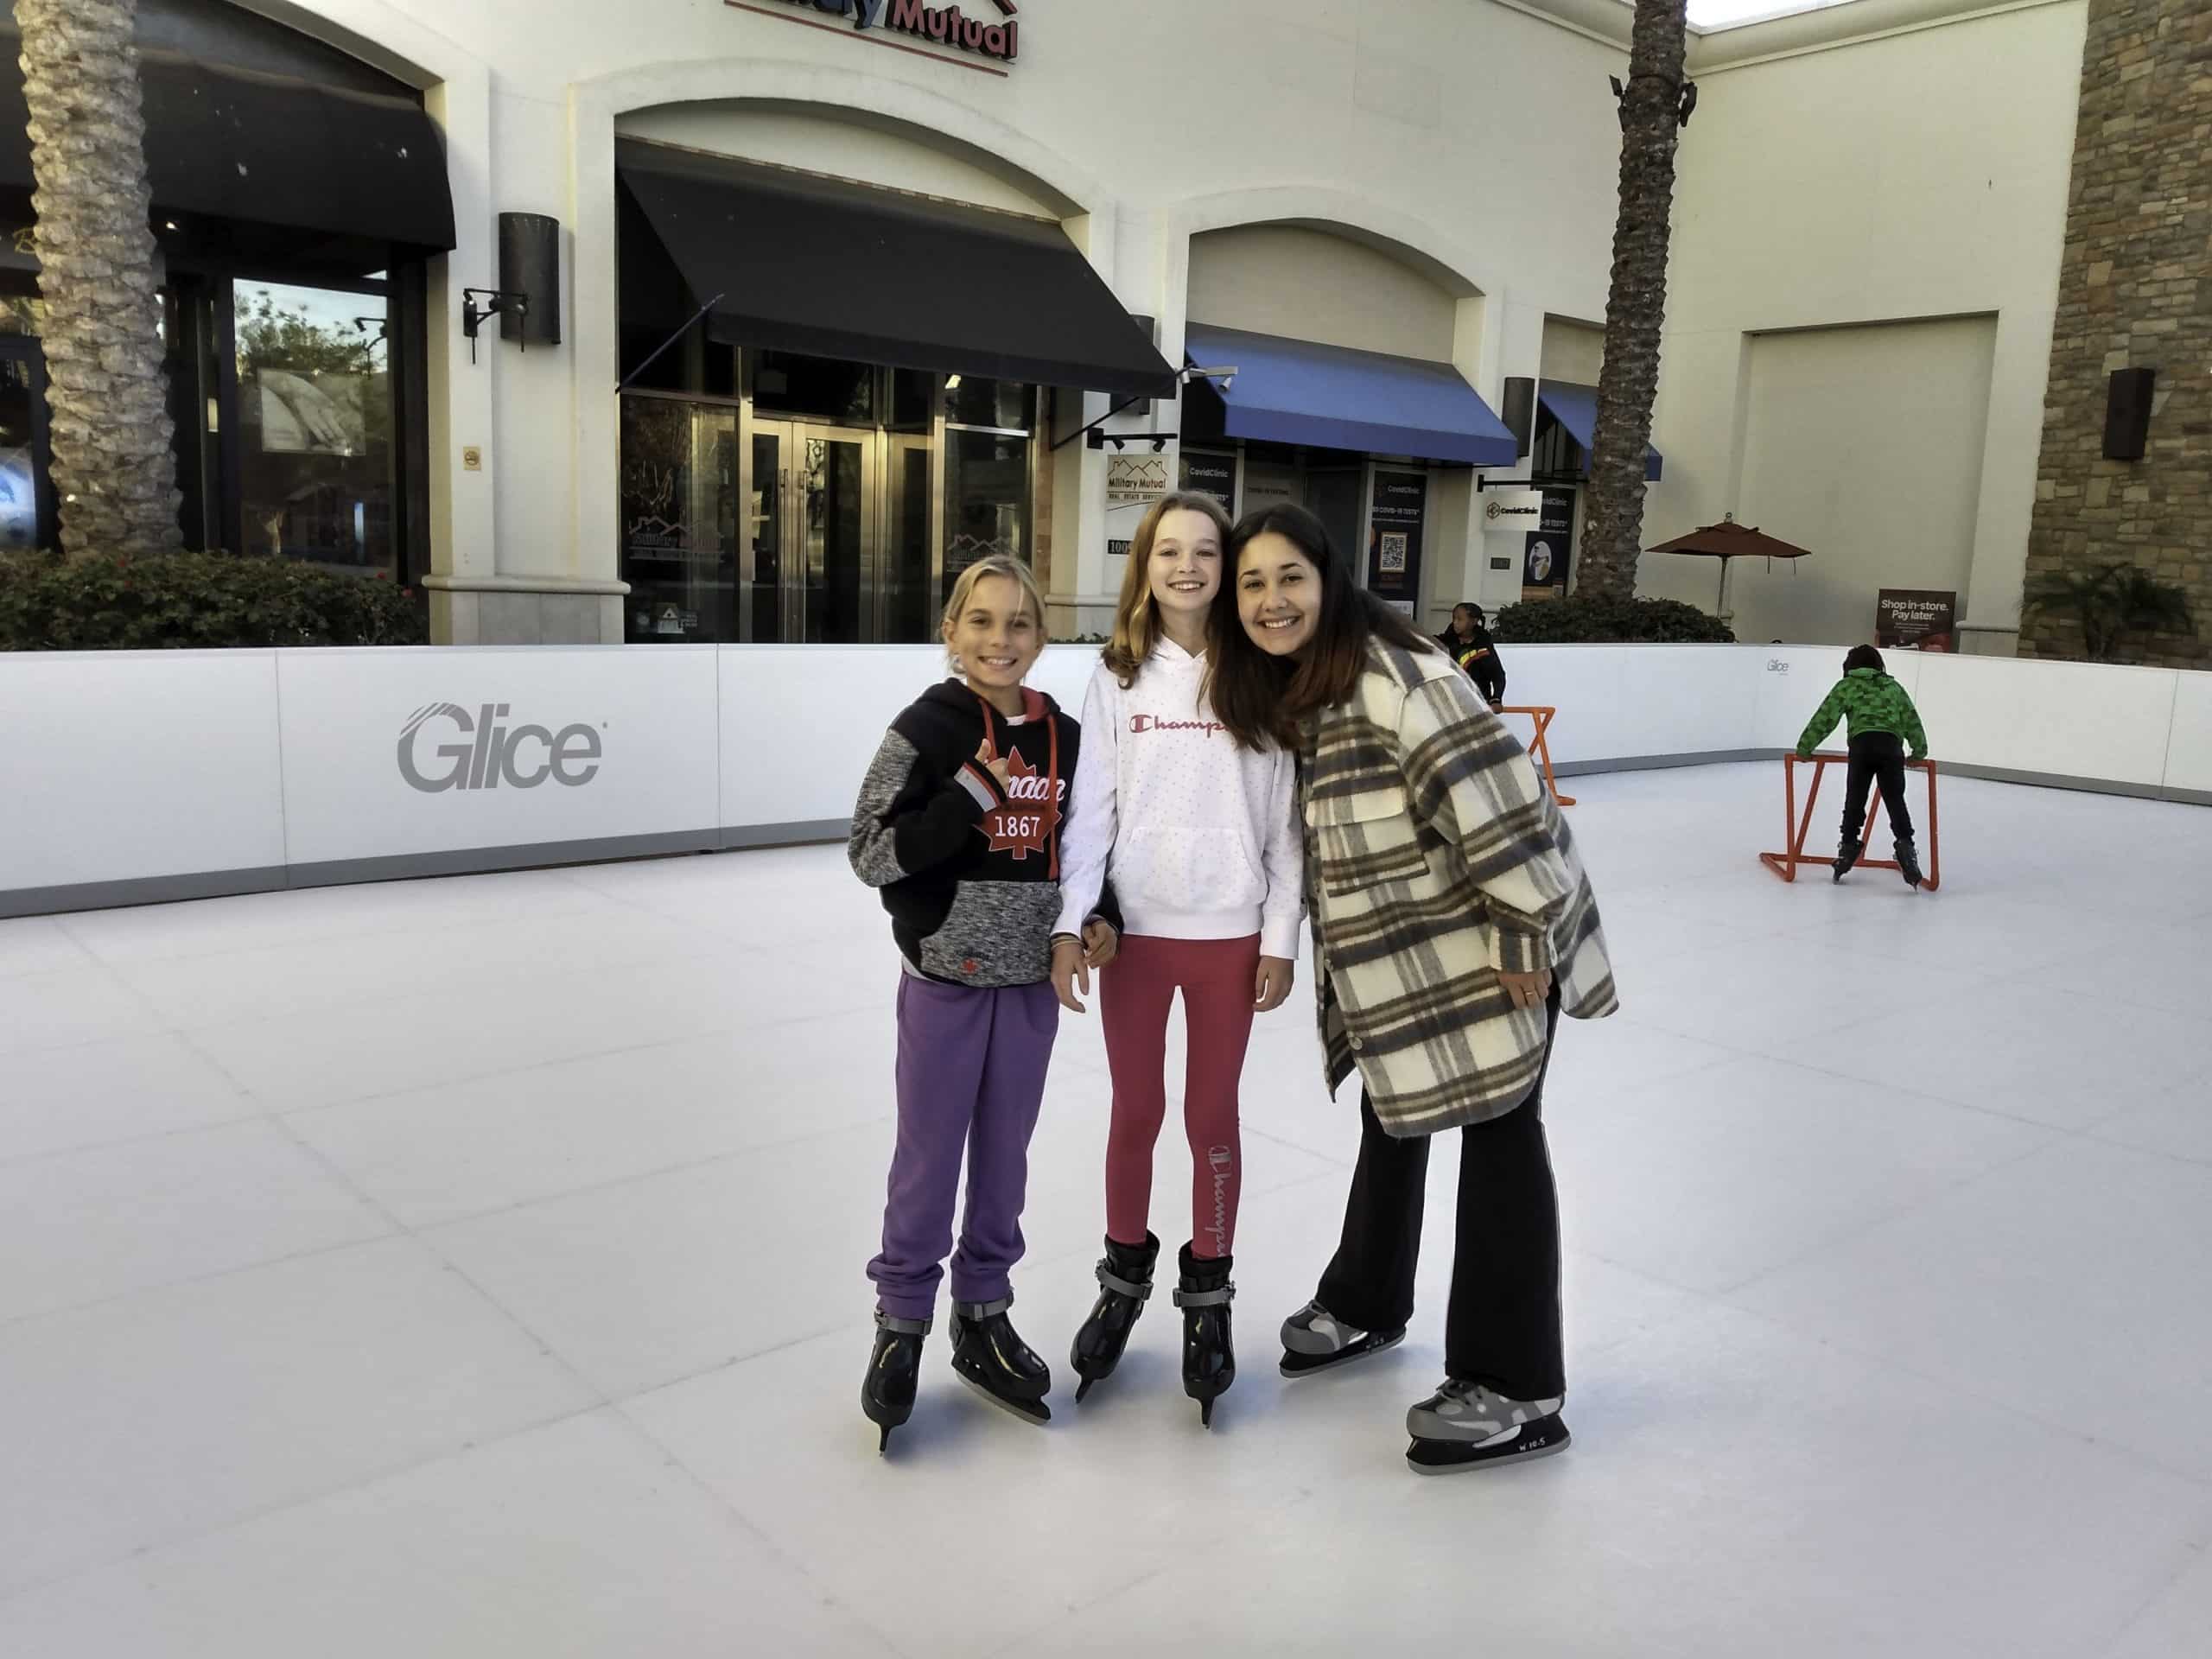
1271, 985
1100, 944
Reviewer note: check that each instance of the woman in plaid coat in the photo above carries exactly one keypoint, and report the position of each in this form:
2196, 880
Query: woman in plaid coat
1452, 926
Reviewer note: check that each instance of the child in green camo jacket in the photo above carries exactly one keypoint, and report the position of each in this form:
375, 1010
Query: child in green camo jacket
1883, 720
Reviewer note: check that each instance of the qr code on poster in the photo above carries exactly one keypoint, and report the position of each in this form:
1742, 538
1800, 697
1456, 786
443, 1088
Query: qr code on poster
1394, 552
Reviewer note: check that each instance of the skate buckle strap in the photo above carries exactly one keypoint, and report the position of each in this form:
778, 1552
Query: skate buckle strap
1113, 1281
1220, 1298
982, 1310
903, 1327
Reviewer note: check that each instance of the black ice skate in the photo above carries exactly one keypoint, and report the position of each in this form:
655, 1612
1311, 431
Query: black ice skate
1208, 1357
1124, 1286
1908, 862
1846, 855
990, 1358
893, 1371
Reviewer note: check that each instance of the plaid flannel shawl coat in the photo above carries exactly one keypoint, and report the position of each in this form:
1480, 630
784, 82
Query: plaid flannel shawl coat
1435, 860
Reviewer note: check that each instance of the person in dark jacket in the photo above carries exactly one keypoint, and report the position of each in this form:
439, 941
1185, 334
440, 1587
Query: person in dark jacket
1883, 720
1468, 642
959, 825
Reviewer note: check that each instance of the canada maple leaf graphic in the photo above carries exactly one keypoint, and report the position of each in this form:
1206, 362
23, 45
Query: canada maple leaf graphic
1025, 822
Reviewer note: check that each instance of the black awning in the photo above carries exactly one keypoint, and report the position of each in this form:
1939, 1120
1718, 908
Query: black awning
834, 269
238, 145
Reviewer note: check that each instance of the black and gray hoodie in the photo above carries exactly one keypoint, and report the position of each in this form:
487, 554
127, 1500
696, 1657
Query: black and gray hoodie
969, 868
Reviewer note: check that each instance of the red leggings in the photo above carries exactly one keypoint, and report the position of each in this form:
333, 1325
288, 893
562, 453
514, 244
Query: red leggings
1217, 977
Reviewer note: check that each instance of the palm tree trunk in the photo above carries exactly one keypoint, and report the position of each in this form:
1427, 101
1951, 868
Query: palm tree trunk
114, 466
1652, 112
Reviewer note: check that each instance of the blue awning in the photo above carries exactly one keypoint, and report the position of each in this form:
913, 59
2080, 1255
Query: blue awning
1575, 408
1297, 392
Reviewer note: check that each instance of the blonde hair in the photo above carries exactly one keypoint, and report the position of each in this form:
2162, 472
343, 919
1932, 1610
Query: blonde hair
996, 565
1135, 626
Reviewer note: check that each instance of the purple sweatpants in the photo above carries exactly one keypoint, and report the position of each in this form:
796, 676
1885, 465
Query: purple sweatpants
971, 1078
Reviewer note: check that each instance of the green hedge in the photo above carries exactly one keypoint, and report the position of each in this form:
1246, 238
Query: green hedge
1580, 620
198, 599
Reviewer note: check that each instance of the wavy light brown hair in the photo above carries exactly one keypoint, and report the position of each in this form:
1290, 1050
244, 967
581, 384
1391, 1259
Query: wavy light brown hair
1264, 700
1135, 628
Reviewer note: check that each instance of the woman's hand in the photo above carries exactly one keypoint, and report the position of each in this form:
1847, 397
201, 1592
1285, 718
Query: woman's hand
1071, 968
1271, 985
1527, 990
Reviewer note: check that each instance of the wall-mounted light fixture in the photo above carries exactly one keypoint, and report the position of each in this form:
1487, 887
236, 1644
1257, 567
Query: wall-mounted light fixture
527, 301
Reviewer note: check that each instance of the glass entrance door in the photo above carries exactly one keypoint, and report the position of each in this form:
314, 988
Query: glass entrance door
679, 518
816, 541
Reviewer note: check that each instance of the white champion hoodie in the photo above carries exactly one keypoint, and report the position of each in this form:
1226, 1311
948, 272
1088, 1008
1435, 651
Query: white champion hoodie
1196, 834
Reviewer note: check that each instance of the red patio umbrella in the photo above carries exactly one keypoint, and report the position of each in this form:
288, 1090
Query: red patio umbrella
1730, 540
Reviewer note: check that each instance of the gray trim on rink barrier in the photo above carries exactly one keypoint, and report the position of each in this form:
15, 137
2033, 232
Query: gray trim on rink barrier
140, 890
1661, 762
807, 833
2083, 785
476, 861
338, 873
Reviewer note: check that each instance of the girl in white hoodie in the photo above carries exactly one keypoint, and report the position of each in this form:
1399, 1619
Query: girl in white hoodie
1199, 837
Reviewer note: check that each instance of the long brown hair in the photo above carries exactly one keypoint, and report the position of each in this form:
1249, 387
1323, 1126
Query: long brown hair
1262, 699
1135, 628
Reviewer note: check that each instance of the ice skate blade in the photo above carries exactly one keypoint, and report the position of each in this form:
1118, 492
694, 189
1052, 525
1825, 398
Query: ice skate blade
1528, 1443
1037, 1414
1084, 1388
1298, 1365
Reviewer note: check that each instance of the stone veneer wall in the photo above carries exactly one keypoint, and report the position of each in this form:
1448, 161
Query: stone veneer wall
2135, 291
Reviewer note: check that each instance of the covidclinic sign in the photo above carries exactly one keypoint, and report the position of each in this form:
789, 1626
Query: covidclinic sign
406, 753
996, 35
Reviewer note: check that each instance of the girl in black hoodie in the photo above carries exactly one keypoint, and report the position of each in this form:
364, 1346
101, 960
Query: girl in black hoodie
959, 825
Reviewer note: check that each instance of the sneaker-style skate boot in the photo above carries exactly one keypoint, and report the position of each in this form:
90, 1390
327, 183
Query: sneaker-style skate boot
1314, 1339
1465, 1426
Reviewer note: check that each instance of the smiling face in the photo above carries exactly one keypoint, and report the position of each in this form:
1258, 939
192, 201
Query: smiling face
996, 635
1186, 568
1278, 595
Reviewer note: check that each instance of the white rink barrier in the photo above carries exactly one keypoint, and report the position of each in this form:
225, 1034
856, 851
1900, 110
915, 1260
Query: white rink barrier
131, 777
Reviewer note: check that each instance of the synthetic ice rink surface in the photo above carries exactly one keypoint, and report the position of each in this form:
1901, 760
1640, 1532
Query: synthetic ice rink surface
472, 1267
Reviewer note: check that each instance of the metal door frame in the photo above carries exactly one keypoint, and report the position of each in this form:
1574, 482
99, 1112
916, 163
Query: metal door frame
790, 487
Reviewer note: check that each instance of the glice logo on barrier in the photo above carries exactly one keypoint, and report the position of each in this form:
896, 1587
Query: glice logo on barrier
494, 755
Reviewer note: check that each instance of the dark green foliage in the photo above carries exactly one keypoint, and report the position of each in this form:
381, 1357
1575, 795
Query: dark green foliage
1586, 620
197, 600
